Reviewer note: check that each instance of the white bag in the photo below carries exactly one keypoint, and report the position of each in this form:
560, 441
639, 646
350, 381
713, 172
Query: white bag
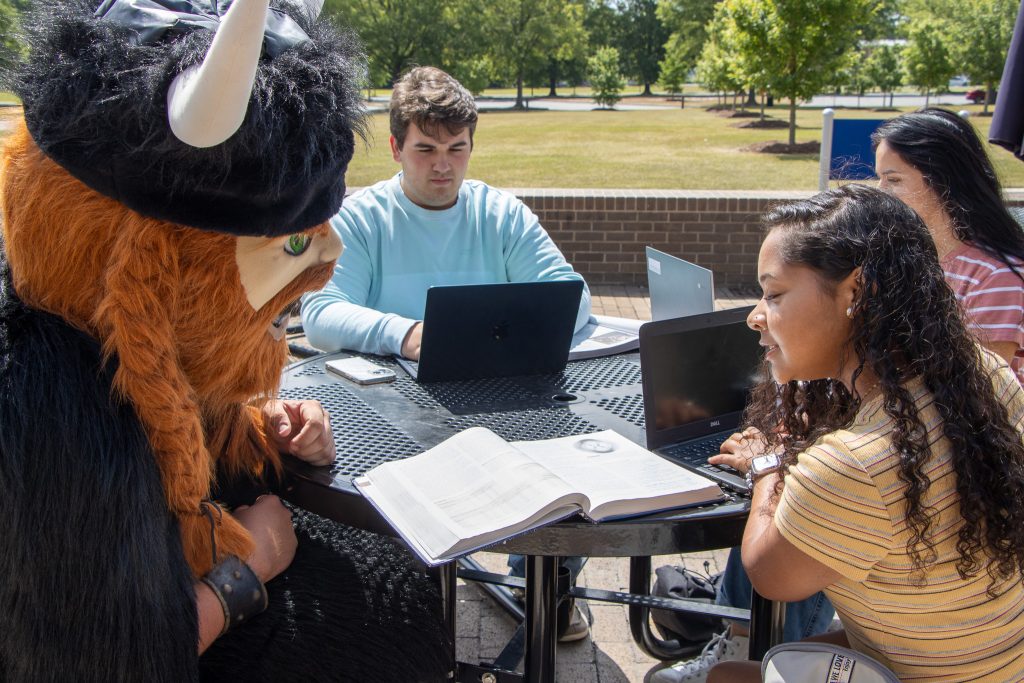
821, 663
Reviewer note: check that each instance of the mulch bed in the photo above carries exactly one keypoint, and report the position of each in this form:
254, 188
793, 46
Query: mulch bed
730, 113
767, 123
776, 147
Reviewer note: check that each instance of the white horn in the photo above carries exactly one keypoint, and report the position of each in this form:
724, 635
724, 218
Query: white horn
206, 104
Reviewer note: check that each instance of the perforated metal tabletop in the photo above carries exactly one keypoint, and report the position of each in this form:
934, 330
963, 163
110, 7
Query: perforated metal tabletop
377, 423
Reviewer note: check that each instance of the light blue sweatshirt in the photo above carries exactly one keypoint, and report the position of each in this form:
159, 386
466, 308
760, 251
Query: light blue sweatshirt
395, 250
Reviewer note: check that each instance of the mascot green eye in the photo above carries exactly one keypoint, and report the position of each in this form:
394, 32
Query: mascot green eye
297, 244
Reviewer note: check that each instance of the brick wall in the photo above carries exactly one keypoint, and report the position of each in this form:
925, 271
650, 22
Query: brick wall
603, 232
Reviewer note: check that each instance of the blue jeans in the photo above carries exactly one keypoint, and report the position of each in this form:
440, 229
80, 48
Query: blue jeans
806, 618
517, 566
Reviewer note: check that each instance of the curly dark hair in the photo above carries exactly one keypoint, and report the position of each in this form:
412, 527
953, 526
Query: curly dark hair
947, 151
906, 324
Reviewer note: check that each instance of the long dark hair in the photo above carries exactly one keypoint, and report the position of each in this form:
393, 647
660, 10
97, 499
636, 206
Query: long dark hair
947, 151
906, 324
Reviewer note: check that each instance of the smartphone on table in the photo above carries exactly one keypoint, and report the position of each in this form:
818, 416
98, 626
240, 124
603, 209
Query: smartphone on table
360, 370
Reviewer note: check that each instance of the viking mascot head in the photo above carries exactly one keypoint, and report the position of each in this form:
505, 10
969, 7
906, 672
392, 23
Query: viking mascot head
168, 196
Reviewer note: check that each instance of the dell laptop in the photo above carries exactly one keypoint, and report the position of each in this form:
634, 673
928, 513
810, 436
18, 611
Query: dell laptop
697, 373
678, 287
496, 330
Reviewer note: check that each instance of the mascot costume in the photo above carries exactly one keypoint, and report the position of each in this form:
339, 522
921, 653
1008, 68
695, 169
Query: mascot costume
163, 204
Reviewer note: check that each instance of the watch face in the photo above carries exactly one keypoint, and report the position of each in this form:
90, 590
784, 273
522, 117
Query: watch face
763, 464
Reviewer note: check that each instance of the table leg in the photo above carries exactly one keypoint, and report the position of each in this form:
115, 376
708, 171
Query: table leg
449, 583
767, 623
541, 629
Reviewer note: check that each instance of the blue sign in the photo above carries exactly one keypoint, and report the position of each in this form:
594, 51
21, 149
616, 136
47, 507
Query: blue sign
852, 157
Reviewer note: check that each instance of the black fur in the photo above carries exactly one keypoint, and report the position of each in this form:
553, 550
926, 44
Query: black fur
93, 582
95, 102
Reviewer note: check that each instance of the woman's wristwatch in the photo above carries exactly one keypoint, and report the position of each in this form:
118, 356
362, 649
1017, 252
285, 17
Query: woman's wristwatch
760, 466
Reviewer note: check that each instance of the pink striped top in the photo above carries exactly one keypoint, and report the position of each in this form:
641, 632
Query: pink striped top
992, 296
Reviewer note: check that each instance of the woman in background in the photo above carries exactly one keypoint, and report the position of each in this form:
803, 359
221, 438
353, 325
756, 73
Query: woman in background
933, 161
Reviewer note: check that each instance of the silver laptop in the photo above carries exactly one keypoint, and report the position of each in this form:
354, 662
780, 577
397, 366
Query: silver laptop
677, 287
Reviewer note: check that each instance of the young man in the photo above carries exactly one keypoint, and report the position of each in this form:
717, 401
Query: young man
425, 226
428, 226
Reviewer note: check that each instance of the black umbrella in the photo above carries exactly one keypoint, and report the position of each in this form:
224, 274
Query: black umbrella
1007, 128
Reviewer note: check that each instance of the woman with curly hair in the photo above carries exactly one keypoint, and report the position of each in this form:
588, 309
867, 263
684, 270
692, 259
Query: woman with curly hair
899, 473
934, 162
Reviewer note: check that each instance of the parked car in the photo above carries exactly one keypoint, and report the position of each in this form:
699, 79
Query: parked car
958, 82
977, 96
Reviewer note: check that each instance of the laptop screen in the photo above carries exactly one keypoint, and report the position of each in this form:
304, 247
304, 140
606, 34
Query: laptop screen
697, 373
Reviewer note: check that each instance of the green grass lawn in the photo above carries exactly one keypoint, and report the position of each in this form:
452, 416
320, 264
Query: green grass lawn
671, 149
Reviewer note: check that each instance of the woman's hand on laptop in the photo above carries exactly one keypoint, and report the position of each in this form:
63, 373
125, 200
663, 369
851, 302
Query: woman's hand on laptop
739, 449
301, 428
411, 343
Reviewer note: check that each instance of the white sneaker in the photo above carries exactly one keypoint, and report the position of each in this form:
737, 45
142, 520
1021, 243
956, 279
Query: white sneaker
720, 648
578, 628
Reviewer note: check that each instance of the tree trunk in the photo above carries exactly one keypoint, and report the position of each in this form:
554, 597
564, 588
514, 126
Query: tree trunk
792, 121
990, 92
927, 96
682, 101
647, 90
892, 94
762, 105
751, 98
519, 93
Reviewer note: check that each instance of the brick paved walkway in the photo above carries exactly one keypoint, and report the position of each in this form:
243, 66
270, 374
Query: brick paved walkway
609, 655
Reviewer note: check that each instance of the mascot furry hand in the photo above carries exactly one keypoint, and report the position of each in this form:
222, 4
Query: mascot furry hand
163, 204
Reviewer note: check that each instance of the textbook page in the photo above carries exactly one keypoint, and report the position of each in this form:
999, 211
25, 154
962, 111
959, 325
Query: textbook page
619, 477
468, 491
605, 336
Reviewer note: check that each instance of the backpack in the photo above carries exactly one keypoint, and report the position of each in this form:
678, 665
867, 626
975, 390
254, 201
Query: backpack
679, 582
804, 662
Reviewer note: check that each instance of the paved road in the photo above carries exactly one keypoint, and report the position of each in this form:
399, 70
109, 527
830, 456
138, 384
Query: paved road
585, 104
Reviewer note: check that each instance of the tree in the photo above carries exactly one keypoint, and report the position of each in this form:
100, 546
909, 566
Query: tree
396, 33
569, 60
978, 35
642, 41
926, 57
605, 77
687, 22
797, 45
716, 68
884, 71
524, 32
675, 67
11, 48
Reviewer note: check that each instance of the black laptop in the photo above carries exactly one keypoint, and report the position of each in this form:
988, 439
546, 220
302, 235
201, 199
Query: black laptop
697, 374
496, 330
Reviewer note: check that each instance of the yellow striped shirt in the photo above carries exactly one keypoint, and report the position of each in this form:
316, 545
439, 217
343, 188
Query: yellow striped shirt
843, 504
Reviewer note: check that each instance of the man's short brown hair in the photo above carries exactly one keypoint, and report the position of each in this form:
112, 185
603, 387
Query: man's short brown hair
431, 99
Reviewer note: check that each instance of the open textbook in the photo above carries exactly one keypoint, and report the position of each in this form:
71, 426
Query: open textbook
605, 335
475, 489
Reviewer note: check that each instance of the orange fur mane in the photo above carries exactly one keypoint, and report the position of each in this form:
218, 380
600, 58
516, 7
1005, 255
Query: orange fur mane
167, 301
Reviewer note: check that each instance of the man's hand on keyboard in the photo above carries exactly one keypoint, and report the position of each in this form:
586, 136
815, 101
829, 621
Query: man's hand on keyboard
739, 449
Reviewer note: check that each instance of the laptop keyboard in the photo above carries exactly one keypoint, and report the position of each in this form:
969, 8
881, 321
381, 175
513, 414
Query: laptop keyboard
694, 454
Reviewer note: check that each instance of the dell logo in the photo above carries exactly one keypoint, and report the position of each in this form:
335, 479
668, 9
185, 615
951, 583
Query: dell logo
715, 423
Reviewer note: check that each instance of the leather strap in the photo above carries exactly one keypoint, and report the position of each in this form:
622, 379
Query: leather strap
241, 593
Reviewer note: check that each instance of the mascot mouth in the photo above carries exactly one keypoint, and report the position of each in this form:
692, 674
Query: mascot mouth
279, 325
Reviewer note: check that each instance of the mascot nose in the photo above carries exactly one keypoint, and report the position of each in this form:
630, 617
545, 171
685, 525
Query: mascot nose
206, 104
331, 246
